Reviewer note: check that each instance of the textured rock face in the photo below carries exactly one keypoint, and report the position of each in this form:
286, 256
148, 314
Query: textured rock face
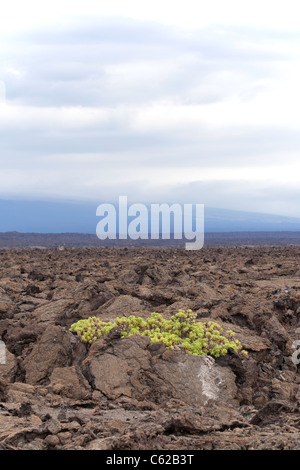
51, 311
3, 388
126, 304
5, 302
196, 380
8, 368
126, 367
69, 382
52, 350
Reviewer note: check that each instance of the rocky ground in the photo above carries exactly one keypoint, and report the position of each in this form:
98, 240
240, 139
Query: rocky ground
127, 394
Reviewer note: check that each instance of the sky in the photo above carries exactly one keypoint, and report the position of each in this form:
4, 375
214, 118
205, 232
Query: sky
161, 101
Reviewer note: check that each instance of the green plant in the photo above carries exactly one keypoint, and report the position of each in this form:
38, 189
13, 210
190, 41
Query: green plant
182, 331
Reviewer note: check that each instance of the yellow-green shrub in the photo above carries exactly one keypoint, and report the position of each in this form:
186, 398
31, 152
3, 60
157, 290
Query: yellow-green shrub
182, 331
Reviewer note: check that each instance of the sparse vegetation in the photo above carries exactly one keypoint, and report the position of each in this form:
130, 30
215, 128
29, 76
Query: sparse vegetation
182, 331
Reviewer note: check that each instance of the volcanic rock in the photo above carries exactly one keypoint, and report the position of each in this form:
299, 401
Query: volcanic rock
127, 367
52, 350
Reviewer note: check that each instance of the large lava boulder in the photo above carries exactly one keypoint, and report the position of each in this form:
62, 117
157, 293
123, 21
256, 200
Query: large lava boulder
135, 368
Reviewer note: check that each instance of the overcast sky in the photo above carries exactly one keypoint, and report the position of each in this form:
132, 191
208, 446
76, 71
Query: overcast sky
162, 101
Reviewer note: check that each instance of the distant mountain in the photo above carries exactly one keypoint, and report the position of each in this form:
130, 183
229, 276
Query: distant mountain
47, 217
80, 217
223, 220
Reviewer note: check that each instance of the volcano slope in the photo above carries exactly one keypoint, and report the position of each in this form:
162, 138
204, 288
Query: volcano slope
129, 394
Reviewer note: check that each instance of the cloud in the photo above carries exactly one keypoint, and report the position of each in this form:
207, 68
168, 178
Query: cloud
121, 61
108, 105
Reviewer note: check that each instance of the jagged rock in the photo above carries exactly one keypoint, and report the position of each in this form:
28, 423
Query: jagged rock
283, 390
276, 331
123, 305
13, 429
52, 350
9, 369
18, 392
129, 277
3, 389
69, 382
20, 337
127, 367
36, 275
5, 303
101, 444
51, 311
59, 393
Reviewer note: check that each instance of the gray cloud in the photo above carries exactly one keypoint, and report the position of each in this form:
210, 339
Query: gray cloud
235, 148
95, 107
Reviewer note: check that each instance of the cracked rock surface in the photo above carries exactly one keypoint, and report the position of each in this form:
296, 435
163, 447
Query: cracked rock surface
126, 394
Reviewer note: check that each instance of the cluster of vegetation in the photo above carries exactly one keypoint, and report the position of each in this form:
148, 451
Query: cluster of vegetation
182, 331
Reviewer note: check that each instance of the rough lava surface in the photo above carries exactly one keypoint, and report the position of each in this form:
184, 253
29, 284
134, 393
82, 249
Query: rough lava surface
129, 394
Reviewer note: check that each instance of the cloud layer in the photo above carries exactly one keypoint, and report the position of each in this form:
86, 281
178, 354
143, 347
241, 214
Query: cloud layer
104, 106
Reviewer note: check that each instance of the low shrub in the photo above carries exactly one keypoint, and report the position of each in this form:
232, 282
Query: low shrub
182, 332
